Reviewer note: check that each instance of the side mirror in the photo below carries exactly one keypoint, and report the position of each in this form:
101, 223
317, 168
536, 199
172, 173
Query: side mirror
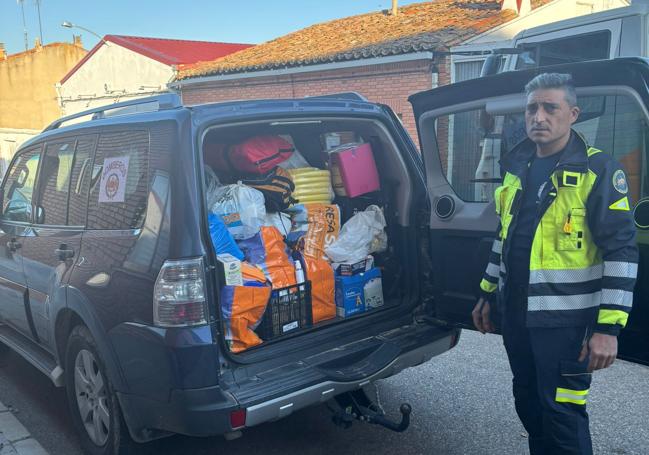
641, 214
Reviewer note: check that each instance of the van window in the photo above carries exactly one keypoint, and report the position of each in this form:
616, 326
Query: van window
589, 46
54, 182
119, 181
19, 186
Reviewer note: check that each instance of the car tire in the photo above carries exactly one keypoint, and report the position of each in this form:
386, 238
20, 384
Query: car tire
93, 404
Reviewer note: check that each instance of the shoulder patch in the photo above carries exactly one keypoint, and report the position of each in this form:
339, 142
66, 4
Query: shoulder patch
619, 182
622, 204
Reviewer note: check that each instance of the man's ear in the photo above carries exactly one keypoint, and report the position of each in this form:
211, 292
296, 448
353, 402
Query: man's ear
574, 114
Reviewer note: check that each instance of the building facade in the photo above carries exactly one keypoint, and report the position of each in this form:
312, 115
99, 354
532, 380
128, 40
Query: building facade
28, 99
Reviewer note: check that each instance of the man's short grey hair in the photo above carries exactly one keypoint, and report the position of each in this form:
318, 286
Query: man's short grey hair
546, 81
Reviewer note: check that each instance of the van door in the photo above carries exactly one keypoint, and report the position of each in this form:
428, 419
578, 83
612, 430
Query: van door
465, 128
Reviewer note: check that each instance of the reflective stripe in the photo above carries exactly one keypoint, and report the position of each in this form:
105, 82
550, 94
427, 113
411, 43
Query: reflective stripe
566, 275
617, 297
493, 270
563, 302
487, 286
497, 247
620, 269
571, 396
607, 316
503, 269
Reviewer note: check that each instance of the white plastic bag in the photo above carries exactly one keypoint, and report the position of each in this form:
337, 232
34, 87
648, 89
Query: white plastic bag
296, 160
360, 236
212, 184
241, 208
282, 221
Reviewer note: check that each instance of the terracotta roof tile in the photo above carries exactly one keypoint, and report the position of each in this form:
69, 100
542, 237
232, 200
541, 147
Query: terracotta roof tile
424, 26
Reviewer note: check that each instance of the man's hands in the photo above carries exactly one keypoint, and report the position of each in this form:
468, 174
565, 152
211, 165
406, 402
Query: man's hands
603, 350
481, 316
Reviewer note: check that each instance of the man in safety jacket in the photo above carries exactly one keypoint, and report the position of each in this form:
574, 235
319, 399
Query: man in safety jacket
562, 268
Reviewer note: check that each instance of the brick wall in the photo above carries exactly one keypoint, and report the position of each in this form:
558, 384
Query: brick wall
390, 84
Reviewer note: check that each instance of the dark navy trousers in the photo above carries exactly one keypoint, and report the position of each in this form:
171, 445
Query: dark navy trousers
550, 386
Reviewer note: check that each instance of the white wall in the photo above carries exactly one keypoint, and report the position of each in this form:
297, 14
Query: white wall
10, 140
112, 74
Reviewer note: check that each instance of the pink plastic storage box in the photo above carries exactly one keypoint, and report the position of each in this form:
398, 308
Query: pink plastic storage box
357, 168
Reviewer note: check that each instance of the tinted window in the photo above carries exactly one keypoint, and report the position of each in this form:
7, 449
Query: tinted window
80, 181
119, 186
591, 46
19, 186
54, 183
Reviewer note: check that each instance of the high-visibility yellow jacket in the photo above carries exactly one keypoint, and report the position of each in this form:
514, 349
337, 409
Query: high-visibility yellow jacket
584, 256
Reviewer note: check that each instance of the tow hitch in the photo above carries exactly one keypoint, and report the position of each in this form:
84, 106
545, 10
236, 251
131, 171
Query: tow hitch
357, 405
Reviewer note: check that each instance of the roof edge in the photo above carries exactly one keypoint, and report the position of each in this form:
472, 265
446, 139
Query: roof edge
426, 55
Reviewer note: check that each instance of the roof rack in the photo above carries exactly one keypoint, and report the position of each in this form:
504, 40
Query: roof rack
165, 101
351, 96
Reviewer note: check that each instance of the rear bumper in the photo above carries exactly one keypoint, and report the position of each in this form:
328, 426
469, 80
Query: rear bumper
206, 411
319, 393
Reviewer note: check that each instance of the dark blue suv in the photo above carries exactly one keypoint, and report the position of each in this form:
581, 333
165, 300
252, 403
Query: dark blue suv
109, 284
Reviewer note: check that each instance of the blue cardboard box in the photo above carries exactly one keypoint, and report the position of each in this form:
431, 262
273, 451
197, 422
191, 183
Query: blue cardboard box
350, 297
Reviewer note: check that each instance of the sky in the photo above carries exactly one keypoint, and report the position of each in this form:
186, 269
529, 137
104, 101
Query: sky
239, 21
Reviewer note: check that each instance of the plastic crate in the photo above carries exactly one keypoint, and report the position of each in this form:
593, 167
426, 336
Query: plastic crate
288, 311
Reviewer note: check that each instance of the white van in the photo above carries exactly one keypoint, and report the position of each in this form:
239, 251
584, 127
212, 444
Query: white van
619, 32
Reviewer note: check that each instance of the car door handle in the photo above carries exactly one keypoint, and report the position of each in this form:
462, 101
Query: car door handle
13, 245
64, 253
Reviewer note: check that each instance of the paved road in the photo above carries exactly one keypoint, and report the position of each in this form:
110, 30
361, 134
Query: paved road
461, 400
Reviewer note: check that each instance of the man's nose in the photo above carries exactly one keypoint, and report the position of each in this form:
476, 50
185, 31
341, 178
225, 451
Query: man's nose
539, 115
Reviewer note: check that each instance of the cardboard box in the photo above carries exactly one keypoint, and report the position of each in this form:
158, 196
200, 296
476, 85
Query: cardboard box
231, 269
349, 295
373, 290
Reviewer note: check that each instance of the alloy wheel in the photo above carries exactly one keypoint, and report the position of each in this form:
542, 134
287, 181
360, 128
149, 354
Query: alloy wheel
91, 397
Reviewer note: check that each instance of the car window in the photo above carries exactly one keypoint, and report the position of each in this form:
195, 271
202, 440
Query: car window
617, 125
19, 186
54, 183
80, 180
119, 181
470, 143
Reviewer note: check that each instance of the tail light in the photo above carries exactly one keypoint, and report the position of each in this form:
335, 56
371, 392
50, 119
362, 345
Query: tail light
238, 419
179, 294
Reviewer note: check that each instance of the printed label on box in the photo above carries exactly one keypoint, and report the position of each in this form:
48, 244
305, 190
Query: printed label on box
290, 326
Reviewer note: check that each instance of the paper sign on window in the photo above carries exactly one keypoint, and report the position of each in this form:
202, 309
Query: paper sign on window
113, 179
